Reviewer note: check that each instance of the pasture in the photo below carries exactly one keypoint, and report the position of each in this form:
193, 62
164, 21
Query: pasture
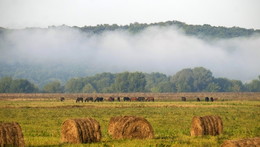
41, 116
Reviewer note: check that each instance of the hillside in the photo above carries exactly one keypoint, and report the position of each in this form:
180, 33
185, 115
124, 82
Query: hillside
201, 31
62, 52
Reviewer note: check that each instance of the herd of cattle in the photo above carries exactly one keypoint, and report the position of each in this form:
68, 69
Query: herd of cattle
111, 99
207, 99
140, 99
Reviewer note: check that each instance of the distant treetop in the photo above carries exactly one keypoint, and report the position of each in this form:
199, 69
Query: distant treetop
201, 31
205, 31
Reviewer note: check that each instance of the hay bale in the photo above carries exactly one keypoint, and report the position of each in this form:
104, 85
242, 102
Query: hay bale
130, 127
11, 134
206, 125
85, 130
250, 142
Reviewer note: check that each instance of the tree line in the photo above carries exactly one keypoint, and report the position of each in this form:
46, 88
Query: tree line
202, 31
197, 79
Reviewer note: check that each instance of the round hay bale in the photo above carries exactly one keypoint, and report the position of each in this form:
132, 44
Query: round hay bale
130, 127
250, 142
206, 125
85, 130
11, 134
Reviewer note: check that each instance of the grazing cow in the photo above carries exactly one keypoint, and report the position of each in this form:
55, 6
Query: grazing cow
127, 99
150, 99
118, 99
79, 99
111, 99
134, 99
198, 99
211, 99
206, 99
183, 98
62, 99
99, 99
89, 99
141, 99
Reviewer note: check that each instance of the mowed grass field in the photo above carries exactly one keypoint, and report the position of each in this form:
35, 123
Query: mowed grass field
41, 117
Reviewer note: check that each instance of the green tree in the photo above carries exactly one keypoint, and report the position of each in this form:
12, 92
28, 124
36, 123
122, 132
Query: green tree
88, 88
224, 84
74, 85
121, 82
5, 84
22, 86
164, 87
102, 82
129, 82
183, 80
213, 87
201, 78
153, 81
137, 82
254, 85
53, 87
236, 86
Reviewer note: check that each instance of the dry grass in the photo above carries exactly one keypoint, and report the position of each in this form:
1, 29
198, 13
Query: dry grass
11, 135
250, 142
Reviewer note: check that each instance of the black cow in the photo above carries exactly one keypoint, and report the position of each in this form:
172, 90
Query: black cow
99, 99
206, 99
198, 99
141, 99
62, 99
127, 99
111, 99
79, 99
183, 98
118, 99
211, 99
89, 99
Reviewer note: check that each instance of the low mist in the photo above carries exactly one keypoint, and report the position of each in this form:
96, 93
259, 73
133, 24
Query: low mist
155, 49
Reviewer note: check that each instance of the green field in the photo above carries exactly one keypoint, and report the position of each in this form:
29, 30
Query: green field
171, 120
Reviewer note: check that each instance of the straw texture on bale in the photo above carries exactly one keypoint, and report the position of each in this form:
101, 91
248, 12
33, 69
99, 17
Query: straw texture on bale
250, 142
85, 130
130, 127
206, 125
11, 134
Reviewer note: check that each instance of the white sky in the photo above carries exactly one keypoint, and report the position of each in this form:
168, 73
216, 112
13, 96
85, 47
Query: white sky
44, 13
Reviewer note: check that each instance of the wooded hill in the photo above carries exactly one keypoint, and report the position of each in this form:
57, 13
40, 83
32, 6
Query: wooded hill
41, 74
202, 31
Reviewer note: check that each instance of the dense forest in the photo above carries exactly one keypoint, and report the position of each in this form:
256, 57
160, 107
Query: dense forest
65, 73
203, 31
197, 79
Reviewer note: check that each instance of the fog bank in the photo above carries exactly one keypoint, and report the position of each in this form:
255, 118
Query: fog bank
156, 49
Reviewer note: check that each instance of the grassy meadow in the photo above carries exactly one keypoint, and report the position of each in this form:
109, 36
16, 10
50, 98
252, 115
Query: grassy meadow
41, 118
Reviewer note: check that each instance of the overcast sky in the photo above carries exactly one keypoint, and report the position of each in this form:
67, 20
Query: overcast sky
44, 13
